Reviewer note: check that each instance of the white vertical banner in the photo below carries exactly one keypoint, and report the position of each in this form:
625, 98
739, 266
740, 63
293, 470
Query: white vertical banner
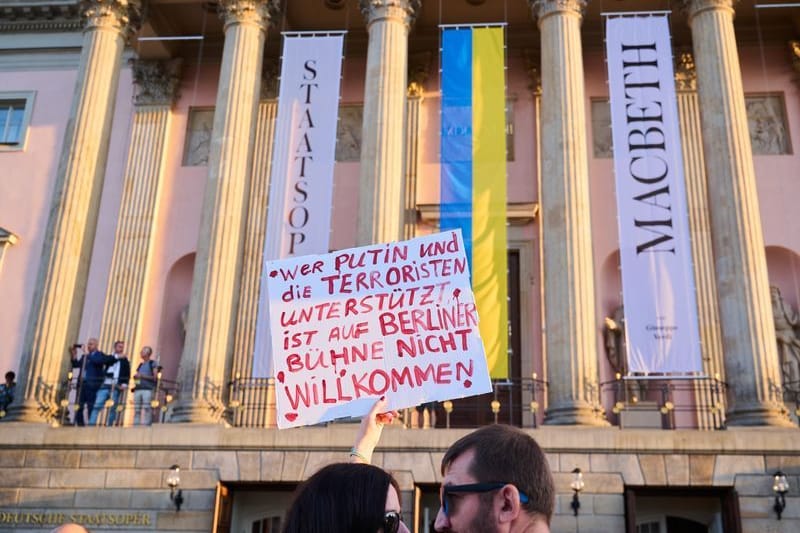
301, 183
657, 277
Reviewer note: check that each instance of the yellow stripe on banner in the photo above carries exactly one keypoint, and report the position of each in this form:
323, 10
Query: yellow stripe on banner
489, 247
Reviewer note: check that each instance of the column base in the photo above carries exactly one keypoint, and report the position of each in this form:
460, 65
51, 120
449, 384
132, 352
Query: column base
759, 415
575, 414
27, 411
195, 412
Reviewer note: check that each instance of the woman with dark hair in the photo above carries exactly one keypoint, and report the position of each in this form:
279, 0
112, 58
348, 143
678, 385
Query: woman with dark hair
353, 497
347, 498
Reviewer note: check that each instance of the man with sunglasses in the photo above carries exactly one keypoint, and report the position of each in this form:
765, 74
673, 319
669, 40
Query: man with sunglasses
496, 480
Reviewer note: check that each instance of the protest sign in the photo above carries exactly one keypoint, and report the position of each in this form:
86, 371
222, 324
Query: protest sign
396, 319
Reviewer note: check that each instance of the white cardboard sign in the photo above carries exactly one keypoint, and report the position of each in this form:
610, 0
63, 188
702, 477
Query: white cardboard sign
396, 319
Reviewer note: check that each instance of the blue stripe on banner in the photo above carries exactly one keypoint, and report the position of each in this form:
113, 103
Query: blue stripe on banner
456, 135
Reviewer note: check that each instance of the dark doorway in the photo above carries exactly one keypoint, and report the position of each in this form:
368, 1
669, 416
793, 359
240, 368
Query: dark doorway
251, 507
676, 524
476, 411
682, 510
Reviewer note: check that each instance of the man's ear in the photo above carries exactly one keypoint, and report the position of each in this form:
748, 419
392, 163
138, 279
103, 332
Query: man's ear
507, 504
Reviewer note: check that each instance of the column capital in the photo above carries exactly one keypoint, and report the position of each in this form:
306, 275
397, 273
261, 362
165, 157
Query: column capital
270, 74
124, 16
545, 8
794, 50
694, 7
685, 72
258, 12
418, 72
404, 11
533, 63
156, 82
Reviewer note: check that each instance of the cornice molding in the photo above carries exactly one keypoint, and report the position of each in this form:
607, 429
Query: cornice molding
40, 16
517, 214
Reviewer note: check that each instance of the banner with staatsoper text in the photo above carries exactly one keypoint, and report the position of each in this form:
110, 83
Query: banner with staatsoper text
655, 252
301, 180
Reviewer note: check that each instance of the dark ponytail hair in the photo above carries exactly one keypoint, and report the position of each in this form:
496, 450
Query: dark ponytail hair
340, 498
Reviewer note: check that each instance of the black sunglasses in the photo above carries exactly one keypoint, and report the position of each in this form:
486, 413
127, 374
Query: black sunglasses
473, 488
391, 521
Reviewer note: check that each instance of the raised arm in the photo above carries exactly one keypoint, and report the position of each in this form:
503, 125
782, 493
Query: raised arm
369, 432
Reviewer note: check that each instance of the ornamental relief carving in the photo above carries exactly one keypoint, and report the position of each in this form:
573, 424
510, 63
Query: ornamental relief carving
123, 16
156, 82
348, 132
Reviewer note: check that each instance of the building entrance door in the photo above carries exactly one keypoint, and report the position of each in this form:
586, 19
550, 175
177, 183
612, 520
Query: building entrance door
682, 510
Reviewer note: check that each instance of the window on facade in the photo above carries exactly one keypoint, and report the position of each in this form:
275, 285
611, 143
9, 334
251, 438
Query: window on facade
766, 120
15, 111
601, 129
649, 527
198, 136
271, 524
348, 132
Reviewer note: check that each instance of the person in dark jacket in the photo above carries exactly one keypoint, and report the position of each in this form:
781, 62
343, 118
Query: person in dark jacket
92, 366
114, 387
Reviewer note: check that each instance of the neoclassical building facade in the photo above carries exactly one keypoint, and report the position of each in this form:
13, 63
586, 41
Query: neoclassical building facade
136, 142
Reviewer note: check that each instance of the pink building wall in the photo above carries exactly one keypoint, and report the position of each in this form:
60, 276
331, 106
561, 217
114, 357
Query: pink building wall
25, 195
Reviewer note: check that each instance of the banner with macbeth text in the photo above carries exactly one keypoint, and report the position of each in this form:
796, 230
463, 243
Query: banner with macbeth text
655, 252
301, 182
396, 320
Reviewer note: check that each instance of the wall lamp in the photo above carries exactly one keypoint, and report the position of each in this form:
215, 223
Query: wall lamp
576, 486
173, 482
780, 487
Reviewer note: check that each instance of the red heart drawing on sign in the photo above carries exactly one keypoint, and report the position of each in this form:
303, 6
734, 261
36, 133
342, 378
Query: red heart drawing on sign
291, 417
273, 273
467, 383
280, 376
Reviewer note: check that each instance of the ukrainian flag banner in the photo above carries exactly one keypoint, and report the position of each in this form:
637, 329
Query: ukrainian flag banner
473, 172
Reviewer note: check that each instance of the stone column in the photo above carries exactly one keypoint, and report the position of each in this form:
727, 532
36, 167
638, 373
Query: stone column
156, 89
709, 417
249, 393
569, 296
748, 333
64, 266
418, 73
216, 282
381, 198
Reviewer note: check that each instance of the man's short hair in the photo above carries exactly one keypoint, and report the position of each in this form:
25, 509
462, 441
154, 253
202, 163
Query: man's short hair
148, 350
10, 375
505, 454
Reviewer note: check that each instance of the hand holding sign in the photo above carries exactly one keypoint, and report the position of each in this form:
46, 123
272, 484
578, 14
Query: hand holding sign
394, 319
